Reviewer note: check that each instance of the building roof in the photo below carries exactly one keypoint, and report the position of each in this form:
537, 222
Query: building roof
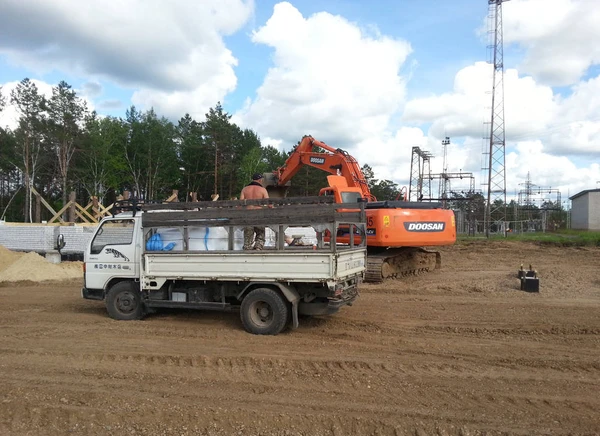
583, 193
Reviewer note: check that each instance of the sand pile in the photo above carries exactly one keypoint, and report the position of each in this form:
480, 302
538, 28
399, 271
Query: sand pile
17, 267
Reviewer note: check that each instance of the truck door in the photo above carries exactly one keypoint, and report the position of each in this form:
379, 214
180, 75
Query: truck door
111, 253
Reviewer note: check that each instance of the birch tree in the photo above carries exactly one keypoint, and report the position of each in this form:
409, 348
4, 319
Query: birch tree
29, 103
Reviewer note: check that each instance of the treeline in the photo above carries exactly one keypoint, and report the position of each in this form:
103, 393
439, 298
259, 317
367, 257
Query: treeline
60, 146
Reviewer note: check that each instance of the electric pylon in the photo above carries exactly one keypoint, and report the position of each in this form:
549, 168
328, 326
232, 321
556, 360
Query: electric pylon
494, 157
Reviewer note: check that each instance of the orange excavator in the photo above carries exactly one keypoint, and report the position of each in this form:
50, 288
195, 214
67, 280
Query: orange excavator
396, 230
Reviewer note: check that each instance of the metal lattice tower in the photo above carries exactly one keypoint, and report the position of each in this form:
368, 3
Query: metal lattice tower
494, 158
527, 191
420, 175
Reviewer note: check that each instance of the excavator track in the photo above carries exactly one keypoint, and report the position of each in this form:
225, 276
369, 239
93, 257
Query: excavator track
400, 262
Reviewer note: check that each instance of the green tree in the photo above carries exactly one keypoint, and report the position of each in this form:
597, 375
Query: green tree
150, 154
272, 158
249, 158
29, 104
161, 163
10, 177
100, 164
384, 189
218, 136
194, 157
250, 163
368, 173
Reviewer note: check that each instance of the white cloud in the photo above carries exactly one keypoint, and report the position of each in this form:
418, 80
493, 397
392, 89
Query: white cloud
330, 79
273, 142
560, 37
390, 154
172, 53
528, 106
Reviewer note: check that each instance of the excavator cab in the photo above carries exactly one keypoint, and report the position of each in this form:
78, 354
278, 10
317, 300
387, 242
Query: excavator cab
338, 187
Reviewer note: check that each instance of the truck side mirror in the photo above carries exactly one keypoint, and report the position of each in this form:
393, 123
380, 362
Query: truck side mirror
60, 242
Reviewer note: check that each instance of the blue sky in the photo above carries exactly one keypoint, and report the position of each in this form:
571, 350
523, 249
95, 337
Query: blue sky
375, 78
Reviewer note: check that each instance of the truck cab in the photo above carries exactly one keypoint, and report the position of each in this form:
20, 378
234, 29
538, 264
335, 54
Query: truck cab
112, 255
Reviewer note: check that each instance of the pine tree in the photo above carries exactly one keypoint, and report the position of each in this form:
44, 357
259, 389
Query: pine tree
66, 113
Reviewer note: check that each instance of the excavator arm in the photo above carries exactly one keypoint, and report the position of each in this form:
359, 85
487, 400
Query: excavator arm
326, 158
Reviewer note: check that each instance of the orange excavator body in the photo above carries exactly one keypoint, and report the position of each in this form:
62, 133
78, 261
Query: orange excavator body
395, 229
397, 223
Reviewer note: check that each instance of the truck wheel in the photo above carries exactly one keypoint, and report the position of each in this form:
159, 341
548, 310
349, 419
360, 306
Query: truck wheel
123, 302
264, 312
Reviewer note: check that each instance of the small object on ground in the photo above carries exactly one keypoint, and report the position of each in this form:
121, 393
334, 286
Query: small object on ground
530, 282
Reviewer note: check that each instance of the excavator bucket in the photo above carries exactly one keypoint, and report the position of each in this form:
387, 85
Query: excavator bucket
274, 190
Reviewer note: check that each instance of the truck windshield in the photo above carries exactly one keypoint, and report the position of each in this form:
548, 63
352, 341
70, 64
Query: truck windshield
115, 232
350, 197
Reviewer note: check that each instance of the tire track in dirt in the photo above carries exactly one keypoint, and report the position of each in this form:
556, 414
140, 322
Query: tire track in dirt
334, 371
108, 382
410, 400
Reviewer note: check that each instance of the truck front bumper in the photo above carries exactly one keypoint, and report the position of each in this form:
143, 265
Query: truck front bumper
92, 294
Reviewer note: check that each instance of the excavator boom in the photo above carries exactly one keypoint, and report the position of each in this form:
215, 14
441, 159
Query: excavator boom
326, 158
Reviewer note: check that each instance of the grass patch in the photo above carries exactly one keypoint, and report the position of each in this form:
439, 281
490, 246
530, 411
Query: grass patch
561, 238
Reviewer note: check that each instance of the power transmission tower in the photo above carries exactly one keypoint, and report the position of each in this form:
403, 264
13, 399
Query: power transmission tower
495, 158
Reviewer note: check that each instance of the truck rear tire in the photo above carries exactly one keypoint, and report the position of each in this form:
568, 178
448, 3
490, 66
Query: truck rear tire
124, 302
264, 312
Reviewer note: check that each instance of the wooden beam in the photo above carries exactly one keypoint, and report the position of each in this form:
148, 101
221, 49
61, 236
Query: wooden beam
52, 211
84, 210
103, 211
58, 214
173, 197
83, 218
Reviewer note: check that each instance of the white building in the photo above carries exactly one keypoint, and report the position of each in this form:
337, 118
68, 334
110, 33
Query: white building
585, 210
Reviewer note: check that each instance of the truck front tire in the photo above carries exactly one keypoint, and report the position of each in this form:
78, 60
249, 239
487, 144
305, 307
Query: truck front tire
264, 312
123, 302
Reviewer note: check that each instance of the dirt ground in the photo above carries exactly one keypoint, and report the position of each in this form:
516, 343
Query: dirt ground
461, 351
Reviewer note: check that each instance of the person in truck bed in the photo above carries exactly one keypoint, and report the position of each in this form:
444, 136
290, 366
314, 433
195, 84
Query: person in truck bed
254, 237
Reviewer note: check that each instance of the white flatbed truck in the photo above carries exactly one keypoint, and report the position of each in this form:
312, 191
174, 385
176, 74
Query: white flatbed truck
133, 274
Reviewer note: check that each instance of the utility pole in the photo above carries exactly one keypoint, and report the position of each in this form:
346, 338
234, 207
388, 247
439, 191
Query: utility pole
495, 157
444, 189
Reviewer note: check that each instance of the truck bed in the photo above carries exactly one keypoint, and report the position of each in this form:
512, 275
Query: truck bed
298, 265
